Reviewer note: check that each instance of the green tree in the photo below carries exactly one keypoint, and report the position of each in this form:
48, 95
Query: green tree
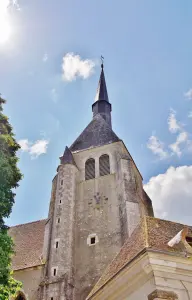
10, 175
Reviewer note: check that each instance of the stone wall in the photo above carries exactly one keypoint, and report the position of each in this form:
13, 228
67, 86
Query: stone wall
108, 207
58, 282
173, 275
30, 278
97, 213
105, 210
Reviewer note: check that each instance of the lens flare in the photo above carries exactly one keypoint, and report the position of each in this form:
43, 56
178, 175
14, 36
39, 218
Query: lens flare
5, 27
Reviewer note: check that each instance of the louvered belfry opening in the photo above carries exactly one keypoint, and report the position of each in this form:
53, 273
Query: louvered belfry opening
90, 169
104, 165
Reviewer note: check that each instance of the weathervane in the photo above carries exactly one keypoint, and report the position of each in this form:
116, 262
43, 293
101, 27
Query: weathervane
102, 60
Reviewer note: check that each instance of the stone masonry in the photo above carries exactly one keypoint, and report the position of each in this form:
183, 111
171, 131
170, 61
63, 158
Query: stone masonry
89, 220
106, 207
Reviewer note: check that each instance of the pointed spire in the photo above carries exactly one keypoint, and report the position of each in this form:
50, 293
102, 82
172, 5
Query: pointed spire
101, 105
67, 157
102, 88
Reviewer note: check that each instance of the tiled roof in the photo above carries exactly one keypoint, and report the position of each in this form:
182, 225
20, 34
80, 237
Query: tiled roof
97, 133
67, 157
28, 239
151, 233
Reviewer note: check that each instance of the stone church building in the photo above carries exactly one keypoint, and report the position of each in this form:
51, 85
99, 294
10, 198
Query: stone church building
101, 240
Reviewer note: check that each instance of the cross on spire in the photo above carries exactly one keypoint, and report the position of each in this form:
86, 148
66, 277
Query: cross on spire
102, 60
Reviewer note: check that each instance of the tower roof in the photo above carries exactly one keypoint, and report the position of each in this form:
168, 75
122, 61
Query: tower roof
67, 157
102, 88
97, 133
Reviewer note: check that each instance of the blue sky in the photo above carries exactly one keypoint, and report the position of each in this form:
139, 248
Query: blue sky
148, 67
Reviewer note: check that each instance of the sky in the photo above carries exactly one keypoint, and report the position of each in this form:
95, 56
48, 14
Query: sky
49, 72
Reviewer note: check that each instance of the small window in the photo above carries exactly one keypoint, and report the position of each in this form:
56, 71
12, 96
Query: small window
189, 240
58, 220
51, 298
90, 169
54, 272
62, 182
93, 240
57, 244
60, 201
104, 165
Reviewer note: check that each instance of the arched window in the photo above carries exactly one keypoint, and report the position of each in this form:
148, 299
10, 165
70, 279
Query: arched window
20, 297
104, 165
90, 169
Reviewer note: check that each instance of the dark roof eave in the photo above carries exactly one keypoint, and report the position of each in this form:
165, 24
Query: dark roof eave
29, 267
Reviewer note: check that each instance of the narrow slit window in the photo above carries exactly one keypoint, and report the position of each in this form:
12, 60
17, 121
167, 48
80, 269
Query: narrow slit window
57, 245
51, 298
104, 165
93, 240
62, 182
60, 201
90, 169
54, 272
58, 220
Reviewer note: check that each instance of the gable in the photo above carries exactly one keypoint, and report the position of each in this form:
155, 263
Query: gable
151, 234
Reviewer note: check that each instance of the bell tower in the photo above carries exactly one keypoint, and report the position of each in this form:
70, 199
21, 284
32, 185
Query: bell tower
97, 201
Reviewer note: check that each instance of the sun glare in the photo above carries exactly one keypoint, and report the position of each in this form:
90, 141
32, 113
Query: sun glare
5, 27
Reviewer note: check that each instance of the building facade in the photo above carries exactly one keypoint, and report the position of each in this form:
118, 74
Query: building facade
97, 204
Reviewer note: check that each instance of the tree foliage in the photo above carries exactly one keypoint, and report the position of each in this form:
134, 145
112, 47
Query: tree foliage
10, 175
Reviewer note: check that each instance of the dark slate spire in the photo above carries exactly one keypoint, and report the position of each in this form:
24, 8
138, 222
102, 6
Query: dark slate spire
99, 131
67, 157
102, 105
102, 88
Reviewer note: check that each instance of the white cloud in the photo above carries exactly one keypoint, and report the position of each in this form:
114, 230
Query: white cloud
190, 114
54, 95
171, 194
183, 143
74, 66
39, 147
181, 139
45, 57
174, 126
157, 147
34, 149
188, 94
24, 144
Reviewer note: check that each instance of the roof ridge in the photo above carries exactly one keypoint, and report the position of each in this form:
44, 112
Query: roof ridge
146, 232
168, 221
99, 116
80, 134
27, 223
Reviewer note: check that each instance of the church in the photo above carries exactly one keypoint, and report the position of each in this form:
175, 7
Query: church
101, 240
